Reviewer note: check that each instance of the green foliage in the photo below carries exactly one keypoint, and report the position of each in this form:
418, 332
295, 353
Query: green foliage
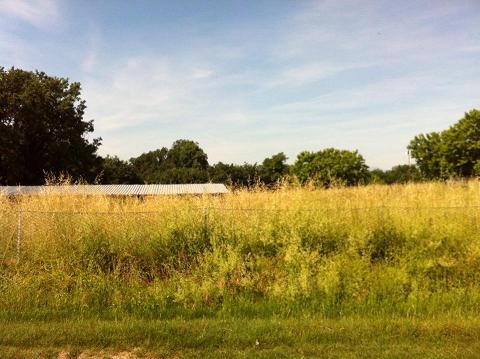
42, 129
237, 175
255, 253
454, 152
116, 171
186, 154
184, 162
330, 167
397, 174
273, 169
150, 165
385, 244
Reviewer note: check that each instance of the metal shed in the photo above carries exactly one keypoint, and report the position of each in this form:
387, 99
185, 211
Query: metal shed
117, 189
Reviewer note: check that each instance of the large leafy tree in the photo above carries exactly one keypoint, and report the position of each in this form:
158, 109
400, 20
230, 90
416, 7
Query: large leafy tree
186, 154
331, 166
273, 169
116, 171
454, 152
42, 129
151, 165
184, 162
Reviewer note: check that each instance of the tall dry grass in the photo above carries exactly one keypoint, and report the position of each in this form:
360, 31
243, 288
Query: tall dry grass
408, 250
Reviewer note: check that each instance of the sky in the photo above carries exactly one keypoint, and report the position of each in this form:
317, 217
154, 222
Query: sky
248, 79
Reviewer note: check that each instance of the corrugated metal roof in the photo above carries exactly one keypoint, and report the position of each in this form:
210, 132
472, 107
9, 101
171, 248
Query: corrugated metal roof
118, 189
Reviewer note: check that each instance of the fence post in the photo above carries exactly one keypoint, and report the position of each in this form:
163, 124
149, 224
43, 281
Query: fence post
19, 233
205, 223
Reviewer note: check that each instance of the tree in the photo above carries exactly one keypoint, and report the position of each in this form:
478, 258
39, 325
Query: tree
184, 162
42, 129
184, 175
331, 166
244, 175
116, 171
273, 169
150, 165
397, 174
429, 153
186, 154
454, 152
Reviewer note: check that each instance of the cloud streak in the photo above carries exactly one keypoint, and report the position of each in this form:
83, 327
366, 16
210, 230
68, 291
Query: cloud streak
38, 13
350, 74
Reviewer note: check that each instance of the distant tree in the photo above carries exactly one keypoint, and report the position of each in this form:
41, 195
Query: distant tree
454, 152
376, 176
151, 165
273, 169
236, 175
402, 174
42, 129
184, 162
397, 174
116, 171
186, 154
429, 153
331, 166
184, 175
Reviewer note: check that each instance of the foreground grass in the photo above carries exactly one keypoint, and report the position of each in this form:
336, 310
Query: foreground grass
375, 271
358, 337
405, 250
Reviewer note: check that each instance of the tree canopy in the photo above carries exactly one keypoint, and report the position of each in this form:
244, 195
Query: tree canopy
116, 171
273, 169
184, 162
42, 129
454, 152
236, 175
331, 166
397, 174
150, 165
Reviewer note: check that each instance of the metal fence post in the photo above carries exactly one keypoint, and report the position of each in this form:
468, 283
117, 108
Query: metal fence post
205, 222
19, 233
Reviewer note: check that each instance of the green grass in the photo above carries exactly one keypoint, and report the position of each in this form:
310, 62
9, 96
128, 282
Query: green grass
353, 337
373, 271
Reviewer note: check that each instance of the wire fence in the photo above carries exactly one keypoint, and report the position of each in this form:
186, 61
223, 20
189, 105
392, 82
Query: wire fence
254, 209
207, 211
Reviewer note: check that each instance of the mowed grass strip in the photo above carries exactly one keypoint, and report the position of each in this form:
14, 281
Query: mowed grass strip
358, 337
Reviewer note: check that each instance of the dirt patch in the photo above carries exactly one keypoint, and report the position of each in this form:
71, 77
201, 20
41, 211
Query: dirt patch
105, 355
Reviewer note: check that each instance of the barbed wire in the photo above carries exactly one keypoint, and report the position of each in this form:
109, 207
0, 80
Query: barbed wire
233, 209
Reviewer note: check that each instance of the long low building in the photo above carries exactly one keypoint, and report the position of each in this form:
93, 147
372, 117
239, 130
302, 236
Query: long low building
118, 189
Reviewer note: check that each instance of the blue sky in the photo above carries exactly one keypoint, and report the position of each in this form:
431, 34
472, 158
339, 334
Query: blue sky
247, 79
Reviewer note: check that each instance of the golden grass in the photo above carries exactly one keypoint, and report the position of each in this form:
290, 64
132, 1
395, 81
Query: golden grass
407, 249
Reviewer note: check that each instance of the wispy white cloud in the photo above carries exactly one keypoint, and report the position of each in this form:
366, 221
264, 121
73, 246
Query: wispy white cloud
303, 74
142, 89
39, 13
91, 54
13, 50
202, 73
471, 49
402, 32
352, 74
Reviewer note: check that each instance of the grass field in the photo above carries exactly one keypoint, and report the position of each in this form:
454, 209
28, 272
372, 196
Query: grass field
351, 337
388, 270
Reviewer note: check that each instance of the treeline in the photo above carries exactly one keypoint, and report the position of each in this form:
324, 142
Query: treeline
43, 133
186, 162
